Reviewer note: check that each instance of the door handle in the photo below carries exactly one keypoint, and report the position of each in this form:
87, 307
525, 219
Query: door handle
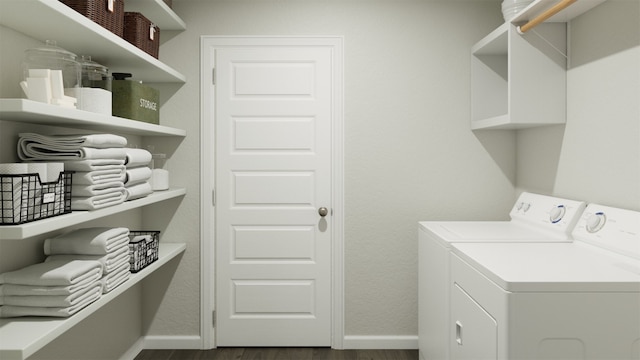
458, 332
323, 211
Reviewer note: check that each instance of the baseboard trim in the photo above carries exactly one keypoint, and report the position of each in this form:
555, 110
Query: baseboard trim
134, 350
172, 342
375, 342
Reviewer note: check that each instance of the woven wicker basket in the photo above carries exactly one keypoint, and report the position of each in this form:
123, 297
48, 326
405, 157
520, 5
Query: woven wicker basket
100, 12
142, 33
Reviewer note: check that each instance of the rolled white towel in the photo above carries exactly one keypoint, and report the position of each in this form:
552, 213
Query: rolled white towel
54, 273
54, 301
88, 241
98, 201
93, 164
99, 177
137, 157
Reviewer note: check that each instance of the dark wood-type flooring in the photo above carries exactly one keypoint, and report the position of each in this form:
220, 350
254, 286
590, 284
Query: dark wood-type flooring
277, 354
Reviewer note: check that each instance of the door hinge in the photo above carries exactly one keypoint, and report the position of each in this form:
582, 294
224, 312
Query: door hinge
213, 76
213, 197
213, 319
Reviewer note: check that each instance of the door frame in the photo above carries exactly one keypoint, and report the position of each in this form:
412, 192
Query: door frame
208, 44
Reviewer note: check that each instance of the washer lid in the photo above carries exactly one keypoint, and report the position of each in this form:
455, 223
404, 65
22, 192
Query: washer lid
447, 232
557, 267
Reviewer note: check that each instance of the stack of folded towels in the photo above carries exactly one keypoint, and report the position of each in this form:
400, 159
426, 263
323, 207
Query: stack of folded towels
57, 288
138, 173
107, 246
97, 159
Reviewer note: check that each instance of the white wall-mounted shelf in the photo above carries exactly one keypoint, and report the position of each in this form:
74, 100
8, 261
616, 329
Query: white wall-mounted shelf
43, 226
33, 112
539, 6
22, 337
42, 19
158, 12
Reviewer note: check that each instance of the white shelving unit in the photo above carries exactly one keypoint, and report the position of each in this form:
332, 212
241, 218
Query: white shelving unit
519, 81
42, 19
43, 226
22, 337
51, 19
27, 111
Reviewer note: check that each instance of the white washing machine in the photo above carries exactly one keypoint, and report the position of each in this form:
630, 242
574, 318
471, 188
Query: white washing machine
534, 218
568, 301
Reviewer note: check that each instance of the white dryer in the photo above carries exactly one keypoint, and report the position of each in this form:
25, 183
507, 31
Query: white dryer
534, 218
578, 300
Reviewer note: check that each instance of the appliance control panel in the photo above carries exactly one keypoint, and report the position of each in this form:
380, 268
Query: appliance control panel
610, 228
542, 211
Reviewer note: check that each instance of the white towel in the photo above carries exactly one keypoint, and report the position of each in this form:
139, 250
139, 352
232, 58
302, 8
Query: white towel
34, 151
111, 262
137, 157
137, 175
93, 190
30, 290
98, 201
54, 273
98, 177
8, 311
138, 191
54, 301
100, 141
111, 281
88, 241
92, 165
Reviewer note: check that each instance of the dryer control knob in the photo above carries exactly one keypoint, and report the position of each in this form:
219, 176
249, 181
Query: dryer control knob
595, 222
526, 206
557, 213
519, 205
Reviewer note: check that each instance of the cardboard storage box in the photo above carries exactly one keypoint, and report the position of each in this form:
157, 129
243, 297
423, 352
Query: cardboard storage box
134, 100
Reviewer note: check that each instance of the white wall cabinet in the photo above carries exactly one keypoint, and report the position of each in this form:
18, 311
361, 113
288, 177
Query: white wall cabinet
51, 19
519, 80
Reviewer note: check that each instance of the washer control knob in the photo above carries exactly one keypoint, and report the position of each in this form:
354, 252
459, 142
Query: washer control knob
595, 222
557, 213
525, 207
519, 205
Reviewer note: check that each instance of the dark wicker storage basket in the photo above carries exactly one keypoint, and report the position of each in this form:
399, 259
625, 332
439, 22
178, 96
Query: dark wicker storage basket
143, 252
24, 198
99, 12
142, 33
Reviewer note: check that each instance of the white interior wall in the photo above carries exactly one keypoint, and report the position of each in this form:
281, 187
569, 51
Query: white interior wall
595, 157
409, 153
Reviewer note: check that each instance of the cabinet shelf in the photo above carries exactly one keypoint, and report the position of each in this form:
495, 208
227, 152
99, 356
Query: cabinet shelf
22, 337
22, 110
539, 6
43, 226
158, 12
84, 37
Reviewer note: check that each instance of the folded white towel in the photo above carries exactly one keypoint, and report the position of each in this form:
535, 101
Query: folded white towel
54, 273
74, 141
137, 175
93, 190
92, 165
54, 301
98, 177
88, 241
137, 157
8, 311
98, 201
31, 290
111, 262
35, 151
138, 191
112, 280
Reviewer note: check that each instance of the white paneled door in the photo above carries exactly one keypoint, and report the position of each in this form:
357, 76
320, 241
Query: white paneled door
273, 179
